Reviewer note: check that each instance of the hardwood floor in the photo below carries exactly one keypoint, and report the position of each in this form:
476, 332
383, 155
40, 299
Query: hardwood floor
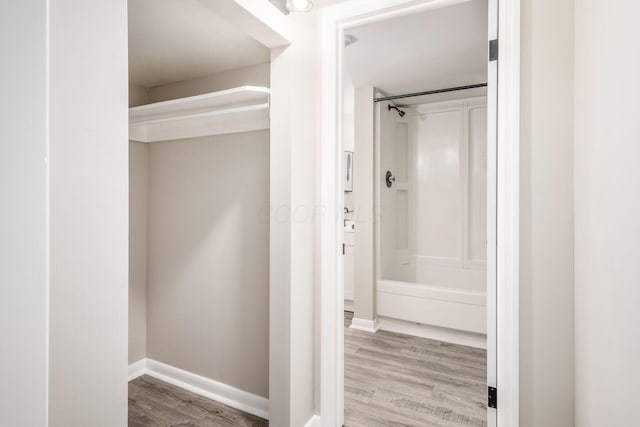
400, 380
155, 403
391, 380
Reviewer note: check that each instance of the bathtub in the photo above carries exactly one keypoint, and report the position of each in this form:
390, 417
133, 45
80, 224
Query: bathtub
446, 314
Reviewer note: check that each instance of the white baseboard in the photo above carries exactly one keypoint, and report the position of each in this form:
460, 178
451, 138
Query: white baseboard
364, 325
137, 369
348, 305
453, 336
313, 421
202, 386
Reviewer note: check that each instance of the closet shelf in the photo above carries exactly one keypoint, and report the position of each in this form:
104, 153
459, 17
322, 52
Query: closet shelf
241, 109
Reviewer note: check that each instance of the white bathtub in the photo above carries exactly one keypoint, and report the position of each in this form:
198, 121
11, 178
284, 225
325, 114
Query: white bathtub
451, 315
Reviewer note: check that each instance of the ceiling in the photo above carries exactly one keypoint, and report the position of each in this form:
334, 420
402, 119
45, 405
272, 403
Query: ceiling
436, 49
175, 40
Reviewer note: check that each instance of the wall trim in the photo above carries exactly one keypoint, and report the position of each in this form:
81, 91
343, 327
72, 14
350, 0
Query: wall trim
202, 386
453, 336
364, 325
313, 421
137, 369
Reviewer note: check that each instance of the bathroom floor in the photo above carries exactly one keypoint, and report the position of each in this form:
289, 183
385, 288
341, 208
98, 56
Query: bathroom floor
400, 380
154, 403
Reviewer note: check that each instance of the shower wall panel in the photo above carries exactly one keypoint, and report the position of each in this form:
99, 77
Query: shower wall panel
432, 218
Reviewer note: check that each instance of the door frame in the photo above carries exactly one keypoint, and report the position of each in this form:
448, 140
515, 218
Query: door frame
333, 21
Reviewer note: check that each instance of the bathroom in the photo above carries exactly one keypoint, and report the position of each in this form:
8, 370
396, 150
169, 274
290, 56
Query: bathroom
415, 205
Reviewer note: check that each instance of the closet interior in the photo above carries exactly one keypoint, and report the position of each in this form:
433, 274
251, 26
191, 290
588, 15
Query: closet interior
199, 203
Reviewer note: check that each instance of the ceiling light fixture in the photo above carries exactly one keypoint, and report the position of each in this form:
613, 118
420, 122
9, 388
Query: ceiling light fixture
299, 6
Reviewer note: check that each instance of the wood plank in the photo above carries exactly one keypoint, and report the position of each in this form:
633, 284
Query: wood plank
399, 380
154, 403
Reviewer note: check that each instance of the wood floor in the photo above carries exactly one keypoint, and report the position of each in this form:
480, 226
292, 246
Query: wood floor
399, 380
391, 380
158, 404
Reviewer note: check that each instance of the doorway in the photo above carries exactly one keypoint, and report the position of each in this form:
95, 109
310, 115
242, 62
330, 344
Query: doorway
415, 341
500, 201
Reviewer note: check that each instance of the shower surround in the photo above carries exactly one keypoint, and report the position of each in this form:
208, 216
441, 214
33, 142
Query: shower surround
431, 195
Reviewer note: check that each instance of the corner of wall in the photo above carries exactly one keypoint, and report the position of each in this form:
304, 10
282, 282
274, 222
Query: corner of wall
138, 95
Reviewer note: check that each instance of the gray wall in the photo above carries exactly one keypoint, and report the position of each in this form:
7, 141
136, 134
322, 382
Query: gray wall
138, 95
23, 215
138, 171
255, 75
546, 254
208, 257
89, 213
607, 200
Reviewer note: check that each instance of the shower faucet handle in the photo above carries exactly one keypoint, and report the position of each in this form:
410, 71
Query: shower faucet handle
389, 179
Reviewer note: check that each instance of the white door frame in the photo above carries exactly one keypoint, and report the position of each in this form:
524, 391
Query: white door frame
333, 21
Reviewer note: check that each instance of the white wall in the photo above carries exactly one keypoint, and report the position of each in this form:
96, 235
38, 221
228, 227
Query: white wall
546, 233
363, 203
293, 212
208, 238
348, 105
607, 213
386, 213
138, 189
280, 242
88, 213
23, 215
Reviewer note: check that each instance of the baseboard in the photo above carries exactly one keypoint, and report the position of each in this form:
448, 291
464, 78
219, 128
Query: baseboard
313, 421
364, 325
452, 336
202, 386
137, 369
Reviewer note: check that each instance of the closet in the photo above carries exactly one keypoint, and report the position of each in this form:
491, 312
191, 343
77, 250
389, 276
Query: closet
199, 242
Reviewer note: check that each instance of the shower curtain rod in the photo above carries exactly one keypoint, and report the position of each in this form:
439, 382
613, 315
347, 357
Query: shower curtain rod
429, 92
